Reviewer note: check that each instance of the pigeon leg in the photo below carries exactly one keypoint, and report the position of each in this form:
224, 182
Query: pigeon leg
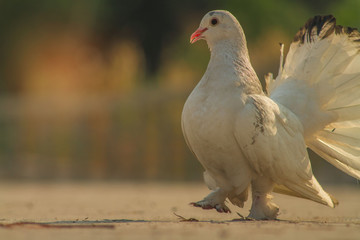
262, 207
214, 200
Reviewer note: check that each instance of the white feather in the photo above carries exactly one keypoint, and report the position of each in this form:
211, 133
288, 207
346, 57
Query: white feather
325, 74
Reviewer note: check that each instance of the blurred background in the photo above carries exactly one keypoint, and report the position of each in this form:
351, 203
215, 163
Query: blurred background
94, 89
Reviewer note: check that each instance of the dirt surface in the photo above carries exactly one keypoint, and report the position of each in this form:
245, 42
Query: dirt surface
146, 211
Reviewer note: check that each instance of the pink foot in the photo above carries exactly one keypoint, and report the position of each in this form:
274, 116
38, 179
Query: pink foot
220, 207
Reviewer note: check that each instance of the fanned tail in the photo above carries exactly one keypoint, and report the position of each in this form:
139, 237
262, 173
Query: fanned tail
340, 146
320, 83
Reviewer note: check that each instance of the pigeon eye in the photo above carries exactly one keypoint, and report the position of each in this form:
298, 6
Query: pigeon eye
214, 21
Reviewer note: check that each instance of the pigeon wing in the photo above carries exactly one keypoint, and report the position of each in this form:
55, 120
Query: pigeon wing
271, 138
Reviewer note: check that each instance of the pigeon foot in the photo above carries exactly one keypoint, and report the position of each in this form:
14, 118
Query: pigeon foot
220, 207
263, 209
215, 200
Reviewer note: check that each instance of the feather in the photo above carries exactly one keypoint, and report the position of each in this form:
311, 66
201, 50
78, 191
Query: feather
323, 66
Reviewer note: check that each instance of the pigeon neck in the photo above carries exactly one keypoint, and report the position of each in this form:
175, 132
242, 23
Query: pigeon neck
234, 48
232, 52
233, 57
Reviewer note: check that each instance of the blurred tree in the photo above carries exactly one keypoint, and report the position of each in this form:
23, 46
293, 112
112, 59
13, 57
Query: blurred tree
152, 23
347, 12
24, 20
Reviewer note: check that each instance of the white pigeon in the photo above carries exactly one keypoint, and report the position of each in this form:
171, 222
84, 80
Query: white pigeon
245, 138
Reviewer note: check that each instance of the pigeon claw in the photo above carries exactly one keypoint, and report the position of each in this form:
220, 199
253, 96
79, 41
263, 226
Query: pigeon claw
203, 206
219, 207
222, 208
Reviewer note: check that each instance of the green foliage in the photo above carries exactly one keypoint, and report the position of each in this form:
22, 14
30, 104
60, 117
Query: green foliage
347, 12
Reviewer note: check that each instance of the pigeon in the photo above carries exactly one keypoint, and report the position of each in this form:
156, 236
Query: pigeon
251, 140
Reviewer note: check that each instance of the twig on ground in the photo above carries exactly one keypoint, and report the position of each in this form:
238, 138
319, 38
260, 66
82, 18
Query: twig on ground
182, 219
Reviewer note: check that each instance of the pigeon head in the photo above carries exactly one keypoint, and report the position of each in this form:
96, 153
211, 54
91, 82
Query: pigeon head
218, 26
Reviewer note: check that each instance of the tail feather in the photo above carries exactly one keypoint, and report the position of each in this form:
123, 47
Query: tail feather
320, 83
347, 113
313, 191
353, 143
286, 191
348, 128
345, 87
337, 157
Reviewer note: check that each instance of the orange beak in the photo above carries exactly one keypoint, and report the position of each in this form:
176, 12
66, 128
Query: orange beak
197, 35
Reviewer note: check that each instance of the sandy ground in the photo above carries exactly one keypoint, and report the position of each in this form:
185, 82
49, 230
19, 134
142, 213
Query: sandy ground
146, 211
